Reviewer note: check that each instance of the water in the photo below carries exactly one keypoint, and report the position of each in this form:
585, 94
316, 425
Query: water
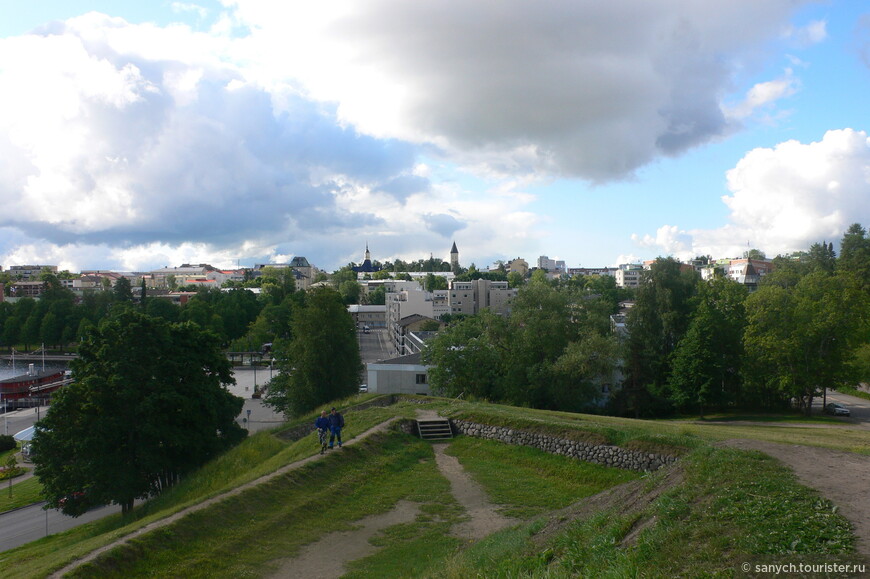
21, 366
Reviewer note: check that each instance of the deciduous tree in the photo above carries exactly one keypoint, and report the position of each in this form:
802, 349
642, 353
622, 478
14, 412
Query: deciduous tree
149, 404
321, 362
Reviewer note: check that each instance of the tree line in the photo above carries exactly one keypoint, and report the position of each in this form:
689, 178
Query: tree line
689, 345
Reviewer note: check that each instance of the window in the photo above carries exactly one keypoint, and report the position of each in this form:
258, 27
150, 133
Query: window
421, 379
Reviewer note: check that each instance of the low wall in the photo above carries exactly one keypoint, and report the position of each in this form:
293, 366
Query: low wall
596, 453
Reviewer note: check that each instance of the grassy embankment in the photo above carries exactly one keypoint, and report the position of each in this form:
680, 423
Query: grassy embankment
854, 392
727, 506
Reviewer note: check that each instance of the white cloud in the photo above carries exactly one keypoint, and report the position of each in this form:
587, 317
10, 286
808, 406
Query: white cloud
579, 88
764, 94
145, 140
786, 198
669, 239
813, 33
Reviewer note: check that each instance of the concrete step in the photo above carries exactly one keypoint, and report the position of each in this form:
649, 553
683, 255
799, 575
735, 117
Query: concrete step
434, 429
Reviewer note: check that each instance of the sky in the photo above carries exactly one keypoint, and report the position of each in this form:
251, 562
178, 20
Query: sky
139, 135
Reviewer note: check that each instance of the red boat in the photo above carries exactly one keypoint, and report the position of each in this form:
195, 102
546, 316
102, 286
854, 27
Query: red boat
34, 383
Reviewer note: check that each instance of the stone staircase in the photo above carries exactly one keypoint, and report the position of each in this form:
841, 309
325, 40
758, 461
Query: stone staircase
434, 428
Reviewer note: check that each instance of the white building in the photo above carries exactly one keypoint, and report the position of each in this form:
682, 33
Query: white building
469, 297
551, 265
628, 275
402, 375
406, 303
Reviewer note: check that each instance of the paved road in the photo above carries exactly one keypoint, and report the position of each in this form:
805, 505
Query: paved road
28, 524
18, 420
859, 407
375, 345
32, 523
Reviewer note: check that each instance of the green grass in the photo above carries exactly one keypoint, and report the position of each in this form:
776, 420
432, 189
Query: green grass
732, 504
250, 534
528, 481
854, 392
795, 417
24, 493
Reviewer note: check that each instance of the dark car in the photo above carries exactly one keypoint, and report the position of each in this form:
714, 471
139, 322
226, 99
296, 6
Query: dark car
837, 409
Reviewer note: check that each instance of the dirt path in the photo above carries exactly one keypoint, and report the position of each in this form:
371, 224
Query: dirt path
484, 520
207, 503
325, 559
484, 517
839, 476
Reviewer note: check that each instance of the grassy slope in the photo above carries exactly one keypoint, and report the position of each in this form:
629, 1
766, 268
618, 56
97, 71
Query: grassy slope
242, 535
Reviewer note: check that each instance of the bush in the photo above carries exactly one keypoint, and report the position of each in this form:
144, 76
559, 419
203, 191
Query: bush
7, 442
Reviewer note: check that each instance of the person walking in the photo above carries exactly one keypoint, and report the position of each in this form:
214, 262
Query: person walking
336, 423
322, 426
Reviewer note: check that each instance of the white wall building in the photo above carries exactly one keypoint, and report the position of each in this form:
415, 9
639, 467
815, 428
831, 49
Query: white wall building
469, 297
628, 275
403, 375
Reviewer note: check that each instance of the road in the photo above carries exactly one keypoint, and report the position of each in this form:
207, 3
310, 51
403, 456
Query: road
859, 407
18, 420
28, 524
32, 523
374, 346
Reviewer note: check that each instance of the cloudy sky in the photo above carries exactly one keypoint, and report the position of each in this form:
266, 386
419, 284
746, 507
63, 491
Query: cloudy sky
136, 135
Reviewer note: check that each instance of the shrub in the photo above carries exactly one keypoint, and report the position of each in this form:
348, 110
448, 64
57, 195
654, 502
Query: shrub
7, 442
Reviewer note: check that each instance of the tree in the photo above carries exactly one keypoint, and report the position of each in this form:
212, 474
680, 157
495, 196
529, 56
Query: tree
822, 257
855, 253
377, 297
466, 357
163, 308
149, 405
706, 363
515, 279
799, 340
434, 282
350, 291
123, 290
655, 325
754, 254
321, 362
579, 374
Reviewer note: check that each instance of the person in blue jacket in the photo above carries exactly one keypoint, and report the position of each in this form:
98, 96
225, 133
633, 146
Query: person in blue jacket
336, 423
322, 426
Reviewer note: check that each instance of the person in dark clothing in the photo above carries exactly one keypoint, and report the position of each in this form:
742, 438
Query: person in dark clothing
322, 426
336, 423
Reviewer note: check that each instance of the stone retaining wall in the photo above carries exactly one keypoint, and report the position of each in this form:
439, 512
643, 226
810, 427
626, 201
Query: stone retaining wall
596, 453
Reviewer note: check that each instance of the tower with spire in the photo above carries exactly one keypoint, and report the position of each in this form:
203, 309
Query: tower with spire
454, 258
367, 266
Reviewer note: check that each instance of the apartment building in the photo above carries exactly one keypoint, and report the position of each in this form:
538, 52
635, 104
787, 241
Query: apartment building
611, 271
518, 265
30, 272
629, 275
469, 297
551, 265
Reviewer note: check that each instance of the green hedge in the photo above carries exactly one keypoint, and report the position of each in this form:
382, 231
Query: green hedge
6, 442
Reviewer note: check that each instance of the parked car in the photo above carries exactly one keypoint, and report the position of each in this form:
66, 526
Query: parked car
364, 388
837, 409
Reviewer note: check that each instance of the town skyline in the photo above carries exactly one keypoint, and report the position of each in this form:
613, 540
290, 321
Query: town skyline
139, 135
